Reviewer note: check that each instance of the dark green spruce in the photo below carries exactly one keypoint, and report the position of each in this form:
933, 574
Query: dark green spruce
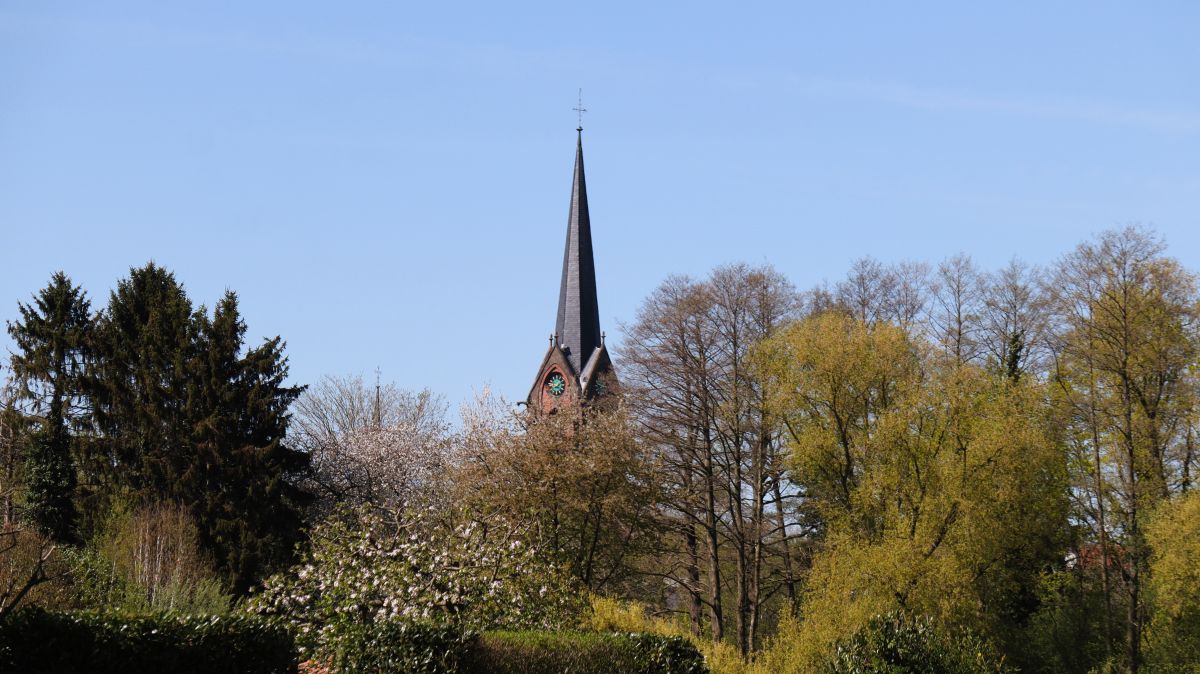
248, 507
53, 346
187, 417
145, 341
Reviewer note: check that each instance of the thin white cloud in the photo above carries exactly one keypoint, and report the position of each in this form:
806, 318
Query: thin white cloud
936, 100
416, 51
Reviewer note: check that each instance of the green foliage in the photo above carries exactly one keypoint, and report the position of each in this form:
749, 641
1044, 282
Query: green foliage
54, 344
896, 643
187, 417
1174, 634
34, 640
50, 480
830, 378
403, 647
398, 647
583, 653
150, 560
941, 489
1067, 632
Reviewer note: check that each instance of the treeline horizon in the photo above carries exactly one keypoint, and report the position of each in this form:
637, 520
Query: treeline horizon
1006, 456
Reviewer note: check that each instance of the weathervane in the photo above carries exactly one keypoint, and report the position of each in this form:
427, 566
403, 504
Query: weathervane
579, 109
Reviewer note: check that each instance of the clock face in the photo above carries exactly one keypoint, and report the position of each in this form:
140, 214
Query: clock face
556, 384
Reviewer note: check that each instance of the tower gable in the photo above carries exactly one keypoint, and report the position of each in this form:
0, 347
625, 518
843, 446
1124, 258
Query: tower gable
542, 397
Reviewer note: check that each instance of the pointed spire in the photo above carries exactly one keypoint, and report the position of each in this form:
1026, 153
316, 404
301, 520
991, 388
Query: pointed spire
578, 325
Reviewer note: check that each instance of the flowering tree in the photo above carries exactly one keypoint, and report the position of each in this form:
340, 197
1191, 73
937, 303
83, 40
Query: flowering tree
382, 447
369, 568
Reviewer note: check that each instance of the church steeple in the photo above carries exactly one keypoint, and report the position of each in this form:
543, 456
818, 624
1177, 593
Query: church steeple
578, 324
576, 367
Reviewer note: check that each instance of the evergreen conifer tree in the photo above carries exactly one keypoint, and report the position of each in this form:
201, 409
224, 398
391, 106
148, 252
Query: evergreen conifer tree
53, 338
145, 339
251, 519
187, 418
50, 479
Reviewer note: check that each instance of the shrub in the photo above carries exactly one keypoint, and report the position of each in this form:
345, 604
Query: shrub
155, 554
1066, 635
896, 643
30, 558
35, 640
582, 653
1173, 637
396, 647
369, 570
614, 615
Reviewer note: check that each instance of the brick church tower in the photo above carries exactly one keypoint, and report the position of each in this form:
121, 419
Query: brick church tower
577, 367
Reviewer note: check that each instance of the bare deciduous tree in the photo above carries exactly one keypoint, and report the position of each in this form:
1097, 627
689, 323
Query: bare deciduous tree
956, 306
11, 455
25, 558
694, 390
1013, 331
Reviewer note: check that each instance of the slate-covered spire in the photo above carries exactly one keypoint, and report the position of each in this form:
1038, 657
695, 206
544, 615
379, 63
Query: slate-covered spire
578, 325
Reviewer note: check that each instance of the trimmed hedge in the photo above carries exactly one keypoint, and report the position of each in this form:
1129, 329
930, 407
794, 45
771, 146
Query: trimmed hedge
582, 653
396, 647
408, 648
35, 640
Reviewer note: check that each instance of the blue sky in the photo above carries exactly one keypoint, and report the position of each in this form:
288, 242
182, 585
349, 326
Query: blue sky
386, 184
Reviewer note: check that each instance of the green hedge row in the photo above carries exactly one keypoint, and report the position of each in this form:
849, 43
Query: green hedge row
34, 640
400, 647
582, 653
403, 648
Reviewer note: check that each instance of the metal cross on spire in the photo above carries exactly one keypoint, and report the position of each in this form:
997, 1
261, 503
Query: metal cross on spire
579, 109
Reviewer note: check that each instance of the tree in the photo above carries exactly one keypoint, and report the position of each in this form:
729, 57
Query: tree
50, 481
240, 479
145, 341
671, 390
385, 447
701, 406
1014, 321
874, 292
1125, 340
578, 477
831, 378
13, 428
187, 415
53, 339
954, 315
867, 290
1174, 537
946, 501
